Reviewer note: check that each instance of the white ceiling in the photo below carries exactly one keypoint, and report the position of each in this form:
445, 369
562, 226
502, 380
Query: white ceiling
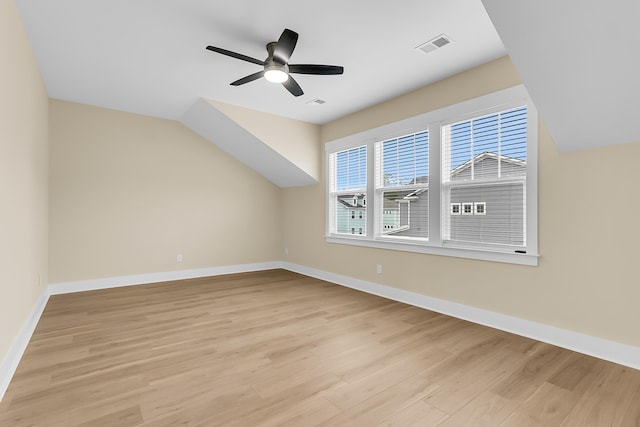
577, 58
580, 63
149, 57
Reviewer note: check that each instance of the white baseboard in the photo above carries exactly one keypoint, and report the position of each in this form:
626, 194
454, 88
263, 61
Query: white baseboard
12, 359
612, 351
167, 276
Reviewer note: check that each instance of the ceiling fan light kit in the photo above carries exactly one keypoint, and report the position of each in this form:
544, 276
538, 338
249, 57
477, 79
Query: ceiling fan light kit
276, 67
276, 73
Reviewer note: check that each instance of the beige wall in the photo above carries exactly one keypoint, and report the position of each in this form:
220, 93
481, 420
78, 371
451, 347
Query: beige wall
588, 230
297, 141
130, 192
23, 178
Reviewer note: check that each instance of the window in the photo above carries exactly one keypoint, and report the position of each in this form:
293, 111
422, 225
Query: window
348, 169
402, 184
486, 157
459, 181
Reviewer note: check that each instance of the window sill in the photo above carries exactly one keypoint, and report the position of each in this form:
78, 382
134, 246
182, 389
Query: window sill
425, 248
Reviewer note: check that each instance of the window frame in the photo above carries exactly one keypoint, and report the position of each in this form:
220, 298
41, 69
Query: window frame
334, 193
433, 121
476, 211
380, 189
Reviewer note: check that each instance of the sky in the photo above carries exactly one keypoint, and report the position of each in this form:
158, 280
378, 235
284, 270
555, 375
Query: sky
406, 158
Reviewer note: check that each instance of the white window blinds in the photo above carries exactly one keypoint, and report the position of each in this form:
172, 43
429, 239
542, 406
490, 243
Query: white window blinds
348, 191
402, 187
484, 170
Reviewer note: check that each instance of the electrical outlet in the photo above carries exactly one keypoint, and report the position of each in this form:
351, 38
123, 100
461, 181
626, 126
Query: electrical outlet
286, 251
179, 258
379, 269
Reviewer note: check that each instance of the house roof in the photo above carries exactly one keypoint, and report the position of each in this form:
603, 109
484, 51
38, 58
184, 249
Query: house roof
347, 201
484, 156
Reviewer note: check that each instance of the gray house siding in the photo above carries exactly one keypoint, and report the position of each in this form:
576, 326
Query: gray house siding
502, 221
504, 212
413, 214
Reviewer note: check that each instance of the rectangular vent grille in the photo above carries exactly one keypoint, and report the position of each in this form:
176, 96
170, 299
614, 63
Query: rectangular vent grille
435, 43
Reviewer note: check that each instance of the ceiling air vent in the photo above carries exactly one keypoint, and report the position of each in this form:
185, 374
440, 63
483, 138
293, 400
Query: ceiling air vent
316, 101
435, 43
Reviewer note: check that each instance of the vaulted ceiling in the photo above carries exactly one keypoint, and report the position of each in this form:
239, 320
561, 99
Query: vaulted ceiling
578, 59
149, 56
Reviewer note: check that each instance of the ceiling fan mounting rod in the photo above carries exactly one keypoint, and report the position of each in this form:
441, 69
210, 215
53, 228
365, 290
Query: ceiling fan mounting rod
271, 46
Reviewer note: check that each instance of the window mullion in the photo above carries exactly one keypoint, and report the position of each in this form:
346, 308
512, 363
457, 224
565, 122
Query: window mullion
531, 189
371, 185
473, 152
435, 150
500, 147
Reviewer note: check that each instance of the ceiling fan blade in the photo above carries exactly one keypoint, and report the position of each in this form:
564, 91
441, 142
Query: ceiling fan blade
235, 55
249, 78
293, 86
284, 47
324, 70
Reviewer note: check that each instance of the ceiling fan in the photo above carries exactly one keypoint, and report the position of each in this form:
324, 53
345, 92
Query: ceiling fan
276, 67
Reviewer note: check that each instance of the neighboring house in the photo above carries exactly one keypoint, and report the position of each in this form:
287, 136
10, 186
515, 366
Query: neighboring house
390, 214
406, 213
352, 214
485, 194
478, 210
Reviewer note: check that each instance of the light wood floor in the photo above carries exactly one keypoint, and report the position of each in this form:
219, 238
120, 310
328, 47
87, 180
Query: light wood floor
279, 349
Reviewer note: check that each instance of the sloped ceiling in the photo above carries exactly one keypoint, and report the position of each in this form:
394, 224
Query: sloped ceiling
149, 56
577, 59
211, 123
580, 63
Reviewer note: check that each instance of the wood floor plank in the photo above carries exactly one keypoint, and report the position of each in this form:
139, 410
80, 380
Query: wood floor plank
418, 414
125, 417
25, 419
349, 394
114, 408
535, 370
548, 406
385, 404
276, 348
632, 414
311, 412
470, 378
608, 400
486, 410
